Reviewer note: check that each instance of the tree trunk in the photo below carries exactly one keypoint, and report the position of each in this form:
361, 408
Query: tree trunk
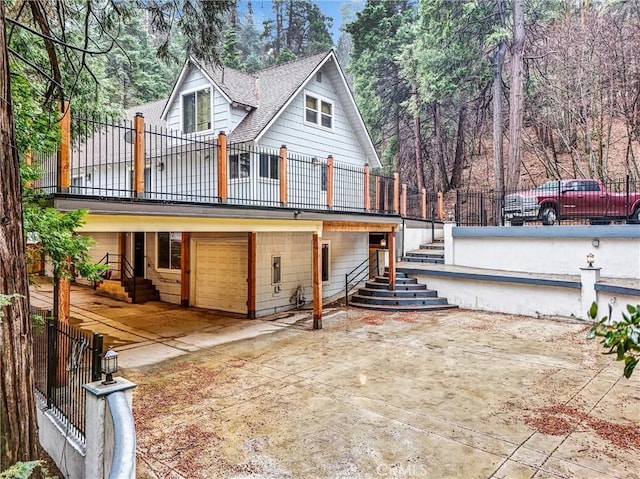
440, 169
498, 151
417, 141
458, 159
515, 98
18, 417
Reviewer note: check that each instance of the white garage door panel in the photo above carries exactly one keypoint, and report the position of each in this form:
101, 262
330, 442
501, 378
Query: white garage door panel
221, 276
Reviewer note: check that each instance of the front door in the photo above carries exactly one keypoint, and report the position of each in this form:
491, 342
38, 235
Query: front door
138, 254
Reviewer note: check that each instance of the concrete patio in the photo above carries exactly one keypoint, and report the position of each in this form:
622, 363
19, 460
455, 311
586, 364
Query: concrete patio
457, 394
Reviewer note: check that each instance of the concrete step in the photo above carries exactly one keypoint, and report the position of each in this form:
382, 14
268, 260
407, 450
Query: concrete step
397, 301
390, 308
399, 280
399, 287
426, 254
417, 293
433, 246
417, 259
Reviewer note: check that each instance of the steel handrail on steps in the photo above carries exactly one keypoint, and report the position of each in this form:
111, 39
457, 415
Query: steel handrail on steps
357, 274
127, 272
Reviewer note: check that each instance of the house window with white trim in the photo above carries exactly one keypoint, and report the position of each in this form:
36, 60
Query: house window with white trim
318, 111
196, 111
169, 250
239, 166
269, 166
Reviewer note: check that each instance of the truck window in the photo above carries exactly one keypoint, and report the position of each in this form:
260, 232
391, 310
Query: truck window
591, 186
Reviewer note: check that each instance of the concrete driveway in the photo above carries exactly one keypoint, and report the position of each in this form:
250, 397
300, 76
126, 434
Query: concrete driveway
152, 332
456, 394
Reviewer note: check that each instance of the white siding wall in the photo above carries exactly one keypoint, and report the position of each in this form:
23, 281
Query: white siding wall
295, 251
291, 130
347, 250
194, 79
167, 283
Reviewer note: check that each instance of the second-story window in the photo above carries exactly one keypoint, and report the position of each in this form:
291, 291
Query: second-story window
196, 111
318, 111
269, 166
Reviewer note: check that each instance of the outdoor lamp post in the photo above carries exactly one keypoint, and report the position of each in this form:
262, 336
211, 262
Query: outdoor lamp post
590, 259
109, 365
383, 243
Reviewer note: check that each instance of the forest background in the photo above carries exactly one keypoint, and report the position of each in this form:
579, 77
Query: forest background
474, 94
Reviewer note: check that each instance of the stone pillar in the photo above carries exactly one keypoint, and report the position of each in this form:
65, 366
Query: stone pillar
99, 426
589, 276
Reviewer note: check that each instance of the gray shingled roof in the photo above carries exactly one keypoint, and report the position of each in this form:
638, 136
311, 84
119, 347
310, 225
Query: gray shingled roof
275, 86
239, 86
152, 112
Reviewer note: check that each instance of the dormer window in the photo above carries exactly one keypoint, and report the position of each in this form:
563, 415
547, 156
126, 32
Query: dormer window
196, 111
318, 111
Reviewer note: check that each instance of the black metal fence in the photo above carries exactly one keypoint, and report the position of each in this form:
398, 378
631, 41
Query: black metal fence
65, 358
573, 201
422, 207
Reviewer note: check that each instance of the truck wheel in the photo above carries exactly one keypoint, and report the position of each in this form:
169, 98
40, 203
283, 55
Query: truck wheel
517, 222
549, 215
635, 217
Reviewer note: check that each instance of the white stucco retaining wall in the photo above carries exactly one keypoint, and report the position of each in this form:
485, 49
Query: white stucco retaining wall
545, 249
510, 298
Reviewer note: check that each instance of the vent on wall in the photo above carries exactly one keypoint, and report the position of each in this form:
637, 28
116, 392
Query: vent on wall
319, 77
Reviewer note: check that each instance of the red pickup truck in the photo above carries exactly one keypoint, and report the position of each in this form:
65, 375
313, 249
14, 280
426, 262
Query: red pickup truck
570, 199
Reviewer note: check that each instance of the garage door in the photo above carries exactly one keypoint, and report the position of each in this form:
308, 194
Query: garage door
221, 276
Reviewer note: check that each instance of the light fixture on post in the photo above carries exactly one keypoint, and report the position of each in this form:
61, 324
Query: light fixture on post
590, 259
595, 242
109, 365
383, 243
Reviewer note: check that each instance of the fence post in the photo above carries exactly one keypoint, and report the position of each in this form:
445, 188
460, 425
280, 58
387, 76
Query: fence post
52, 359
423, 203
284, 197
378, 185
367, 188
28, 160
64, 149
222, 166
440, 205
138, 155
96, 353
396, 193
403, 200
330, 182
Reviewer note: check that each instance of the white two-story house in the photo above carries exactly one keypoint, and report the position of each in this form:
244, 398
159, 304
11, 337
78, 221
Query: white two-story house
247, 193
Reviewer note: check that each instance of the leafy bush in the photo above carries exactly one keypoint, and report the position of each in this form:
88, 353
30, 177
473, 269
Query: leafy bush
619, 337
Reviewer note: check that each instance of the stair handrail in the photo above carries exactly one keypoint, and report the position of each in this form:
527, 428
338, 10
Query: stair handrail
127, 272
357, 274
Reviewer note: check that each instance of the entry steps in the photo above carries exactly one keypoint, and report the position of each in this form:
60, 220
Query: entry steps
428, 253
124, 290
408, 295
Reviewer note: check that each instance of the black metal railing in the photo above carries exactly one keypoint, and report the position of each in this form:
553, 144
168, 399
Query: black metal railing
185, 169
360, 273
119, 268
568, 202
65, 358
